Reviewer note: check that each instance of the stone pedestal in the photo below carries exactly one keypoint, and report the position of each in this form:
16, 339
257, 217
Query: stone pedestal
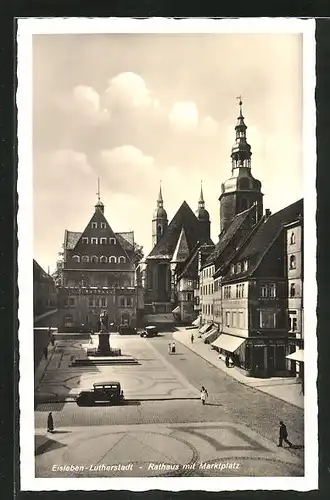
104, 345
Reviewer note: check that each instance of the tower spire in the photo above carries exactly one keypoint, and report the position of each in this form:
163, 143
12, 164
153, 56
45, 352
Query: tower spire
98, 189
160, 196
241, 150
99, 205
201, 202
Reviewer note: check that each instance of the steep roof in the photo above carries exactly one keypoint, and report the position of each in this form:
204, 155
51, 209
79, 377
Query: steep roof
184, 267
181, 252
71, 238
39, 274
184, 218
227, 235
266, 233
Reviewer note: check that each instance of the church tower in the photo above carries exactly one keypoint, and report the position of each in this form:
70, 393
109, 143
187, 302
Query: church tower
242, 190
159, 221
203, 217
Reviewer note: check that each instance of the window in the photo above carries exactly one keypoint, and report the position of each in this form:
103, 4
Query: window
122, 260
246, 265
226, 292
201, 290
294, 324
232, 269
91, 302
103, 259
122, 301
272, 290
240, 291
129, 301
84, 239
103, 225
211, 308
239, 267
112, 241
292, 262
209, 289
268, 290
94, 259
103, 241
103, 302
212, 289
71, 301
240, 320
267, 319
233, 319
94, 225
76, 258
292, 290
112, 259
227, 318
292, 238
94, 241
85, 258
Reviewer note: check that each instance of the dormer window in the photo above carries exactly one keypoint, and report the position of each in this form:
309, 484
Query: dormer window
85, 258
94, 259
94, 225
84, 239
103, 225
76, 258
103, 259
122, 260
103, 241
292, 238
112, 260
239, 267
232, 269
94, 241
112, 241
246, 265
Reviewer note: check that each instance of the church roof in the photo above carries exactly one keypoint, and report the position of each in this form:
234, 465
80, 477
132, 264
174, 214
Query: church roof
189, 267
227, 235
181, 252
184, 218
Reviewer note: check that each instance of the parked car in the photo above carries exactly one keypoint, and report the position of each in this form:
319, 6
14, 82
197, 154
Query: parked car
149, 331
126, 329
102, 392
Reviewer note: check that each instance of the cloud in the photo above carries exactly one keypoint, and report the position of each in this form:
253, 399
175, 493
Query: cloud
209, 127
126, 168
183, 116
68, 161
87, 103
129, 90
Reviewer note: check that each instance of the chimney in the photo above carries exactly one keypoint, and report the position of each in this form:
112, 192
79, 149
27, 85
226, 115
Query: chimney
267, 213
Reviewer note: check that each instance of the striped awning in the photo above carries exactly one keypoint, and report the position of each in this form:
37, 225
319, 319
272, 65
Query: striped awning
228, 343
176, 310
205, 328
297, 355
208, 334
197, 321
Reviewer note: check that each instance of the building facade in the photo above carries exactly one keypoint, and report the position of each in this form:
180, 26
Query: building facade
98, 273
44, 291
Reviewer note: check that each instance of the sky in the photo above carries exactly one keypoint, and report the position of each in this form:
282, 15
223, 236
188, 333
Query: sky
137, 109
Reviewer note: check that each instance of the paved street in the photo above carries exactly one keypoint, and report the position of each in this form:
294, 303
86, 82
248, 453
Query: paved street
168, 426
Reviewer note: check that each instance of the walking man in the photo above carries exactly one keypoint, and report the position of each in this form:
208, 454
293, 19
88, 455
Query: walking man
204, 395
192, 338
170, 348
46, 352
283, 435
50, 422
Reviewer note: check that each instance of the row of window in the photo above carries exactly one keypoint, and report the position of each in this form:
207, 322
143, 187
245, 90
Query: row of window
101, 241
239, 267
103, 259
235, 319
239, 291
208, 272
95, 225
101, 302
207, 289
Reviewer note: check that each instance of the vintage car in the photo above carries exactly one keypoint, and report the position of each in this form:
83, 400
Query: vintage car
126, 329
149, 331
102, 392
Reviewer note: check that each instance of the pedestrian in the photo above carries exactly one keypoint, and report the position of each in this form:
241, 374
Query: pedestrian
173, 347
227, 361
46, 352
283, 435
52, 339
204, 395
170, 348
192, 338
50, 422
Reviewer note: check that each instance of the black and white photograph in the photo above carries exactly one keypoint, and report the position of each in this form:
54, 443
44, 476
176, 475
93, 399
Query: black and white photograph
167, 254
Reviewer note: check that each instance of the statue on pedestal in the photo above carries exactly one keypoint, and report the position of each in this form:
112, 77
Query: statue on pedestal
104, 345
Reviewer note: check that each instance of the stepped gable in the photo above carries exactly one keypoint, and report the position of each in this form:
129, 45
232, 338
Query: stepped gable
266, 233
184, 218
227, 235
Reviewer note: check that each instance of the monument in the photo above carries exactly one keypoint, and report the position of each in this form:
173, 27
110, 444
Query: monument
104, 343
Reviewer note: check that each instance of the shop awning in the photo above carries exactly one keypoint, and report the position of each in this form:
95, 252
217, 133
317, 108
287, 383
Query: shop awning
228, 342
197, 321
205, 327
297, 356
207, 335
176, 310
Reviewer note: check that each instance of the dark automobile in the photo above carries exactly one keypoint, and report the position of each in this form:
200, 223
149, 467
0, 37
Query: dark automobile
102, 392
126, 329
149, 331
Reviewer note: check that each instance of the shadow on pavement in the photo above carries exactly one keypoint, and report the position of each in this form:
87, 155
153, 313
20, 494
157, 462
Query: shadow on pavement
126, 402
212, 404
297, 447
47, 445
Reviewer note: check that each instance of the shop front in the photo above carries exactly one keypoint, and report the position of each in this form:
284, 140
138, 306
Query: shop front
267, 357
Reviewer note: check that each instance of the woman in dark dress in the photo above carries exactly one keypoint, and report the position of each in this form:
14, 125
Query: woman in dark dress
50, 423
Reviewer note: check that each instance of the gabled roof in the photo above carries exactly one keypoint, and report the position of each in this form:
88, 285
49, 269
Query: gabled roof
71, 238
184, 218
184, 267
39, 274
227, 235
266, 233
181, 252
